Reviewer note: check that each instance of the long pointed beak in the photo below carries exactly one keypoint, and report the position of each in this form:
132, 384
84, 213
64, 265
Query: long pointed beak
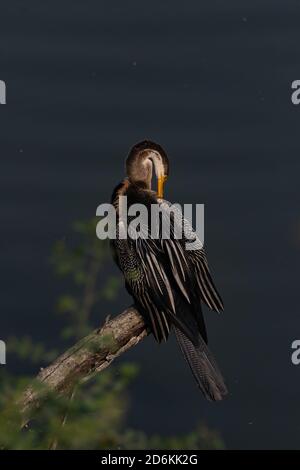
160, 186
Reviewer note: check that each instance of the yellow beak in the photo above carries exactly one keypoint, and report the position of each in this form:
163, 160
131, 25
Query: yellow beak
160, 186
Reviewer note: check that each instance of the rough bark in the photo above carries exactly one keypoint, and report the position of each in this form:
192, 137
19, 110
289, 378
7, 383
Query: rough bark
92, 354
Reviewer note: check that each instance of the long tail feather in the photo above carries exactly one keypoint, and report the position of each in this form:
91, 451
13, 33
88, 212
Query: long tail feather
203, 366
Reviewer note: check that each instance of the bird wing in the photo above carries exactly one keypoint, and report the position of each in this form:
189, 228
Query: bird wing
156, 269
189, 267
149, 280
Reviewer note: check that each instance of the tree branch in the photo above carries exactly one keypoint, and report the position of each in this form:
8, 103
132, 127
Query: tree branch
90, 355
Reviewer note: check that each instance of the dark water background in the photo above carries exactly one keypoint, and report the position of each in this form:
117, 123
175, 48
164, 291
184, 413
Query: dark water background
210, 81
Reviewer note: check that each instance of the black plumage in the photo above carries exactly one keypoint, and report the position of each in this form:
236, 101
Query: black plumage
167, 281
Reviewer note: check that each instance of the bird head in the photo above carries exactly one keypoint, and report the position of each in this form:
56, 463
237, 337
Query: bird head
142, 158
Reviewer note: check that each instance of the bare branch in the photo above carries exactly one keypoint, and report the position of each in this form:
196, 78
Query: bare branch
90, 355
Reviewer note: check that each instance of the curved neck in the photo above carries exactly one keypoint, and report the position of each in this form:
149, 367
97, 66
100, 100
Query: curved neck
140, 173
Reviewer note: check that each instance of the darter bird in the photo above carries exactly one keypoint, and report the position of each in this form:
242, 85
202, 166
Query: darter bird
167, 281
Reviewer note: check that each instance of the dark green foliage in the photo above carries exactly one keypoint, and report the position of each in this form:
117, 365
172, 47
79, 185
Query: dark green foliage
94, 415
